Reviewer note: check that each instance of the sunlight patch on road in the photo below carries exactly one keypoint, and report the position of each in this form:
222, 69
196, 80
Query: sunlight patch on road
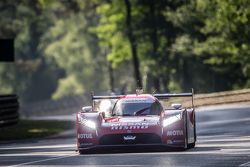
246, 164
44, 160
44, 153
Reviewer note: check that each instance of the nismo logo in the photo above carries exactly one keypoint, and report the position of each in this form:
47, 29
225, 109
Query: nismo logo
129, 126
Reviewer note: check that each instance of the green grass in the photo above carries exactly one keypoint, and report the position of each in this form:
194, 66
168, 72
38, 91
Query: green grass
31, 129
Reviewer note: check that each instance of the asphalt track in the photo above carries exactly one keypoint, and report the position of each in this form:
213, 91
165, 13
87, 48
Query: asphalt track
223, 140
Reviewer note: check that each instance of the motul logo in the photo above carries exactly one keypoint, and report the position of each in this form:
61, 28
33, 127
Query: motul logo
175, 133
85, 136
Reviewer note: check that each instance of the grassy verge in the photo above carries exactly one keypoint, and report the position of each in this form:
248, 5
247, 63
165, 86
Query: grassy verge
30, 129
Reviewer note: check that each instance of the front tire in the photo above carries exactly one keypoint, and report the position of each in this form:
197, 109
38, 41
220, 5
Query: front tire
82, 152
186, 132
85, 152
191, 145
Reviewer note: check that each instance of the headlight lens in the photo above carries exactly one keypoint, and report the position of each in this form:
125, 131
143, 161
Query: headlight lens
170, 120
88, 123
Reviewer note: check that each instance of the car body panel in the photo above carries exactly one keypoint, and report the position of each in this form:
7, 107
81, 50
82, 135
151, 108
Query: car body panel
94, 129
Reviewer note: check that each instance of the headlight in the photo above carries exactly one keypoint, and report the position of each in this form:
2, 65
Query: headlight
170, 120
88, 123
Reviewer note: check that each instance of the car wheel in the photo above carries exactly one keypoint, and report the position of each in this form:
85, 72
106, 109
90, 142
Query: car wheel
85, 151
81, 152
192, 145
186, 132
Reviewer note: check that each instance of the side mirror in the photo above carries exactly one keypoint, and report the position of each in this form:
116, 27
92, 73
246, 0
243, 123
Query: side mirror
87, 109
103, 114
176, 106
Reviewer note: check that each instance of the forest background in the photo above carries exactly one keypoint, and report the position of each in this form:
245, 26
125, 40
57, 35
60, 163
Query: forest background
71, 47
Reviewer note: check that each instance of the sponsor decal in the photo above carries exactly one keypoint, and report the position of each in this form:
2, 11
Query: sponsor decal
130, 126
178, 141
85, 136
169, 142
129, 137
175, 133
131, 120
129, 131
86, 144
137, 100
174, 141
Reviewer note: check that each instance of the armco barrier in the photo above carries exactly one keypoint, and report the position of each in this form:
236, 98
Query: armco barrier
227, 97
218, 98
70, 105
8, 110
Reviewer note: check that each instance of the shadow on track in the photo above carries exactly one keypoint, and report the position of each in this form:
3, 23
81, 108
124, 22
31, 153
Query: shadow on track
146, 150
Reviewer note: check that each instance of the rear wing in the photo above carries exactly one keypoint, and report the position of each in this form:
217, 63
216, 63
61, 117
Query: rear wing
158, 96
107, 97
168, 95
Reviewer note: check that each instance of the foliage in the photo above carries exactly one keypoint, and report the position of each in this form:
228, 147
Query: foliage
215, 33
70, 47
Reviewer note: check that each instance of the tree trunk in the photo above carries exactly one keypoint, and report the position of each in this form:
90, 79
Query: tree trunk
155, 43
111, 76
133, 45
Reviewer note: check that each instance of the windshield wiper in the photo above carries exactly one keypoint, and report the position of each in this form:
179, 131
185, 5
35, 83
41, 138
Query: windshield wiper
126, 114
139, 112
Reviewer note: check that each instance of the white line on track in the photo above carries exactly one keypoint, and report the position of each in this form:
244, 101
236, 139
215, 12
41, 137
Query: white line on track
43, 160
31, 154
112, 165
246, 164
231, 139
94, 165
38, 147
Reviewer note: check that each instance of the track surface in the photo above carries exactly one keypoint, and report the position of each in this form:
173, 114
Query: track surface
223, 140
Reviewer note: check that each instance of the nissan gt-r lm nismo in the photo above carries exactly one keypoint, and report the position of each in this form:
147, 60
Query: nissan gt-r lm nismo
136, 120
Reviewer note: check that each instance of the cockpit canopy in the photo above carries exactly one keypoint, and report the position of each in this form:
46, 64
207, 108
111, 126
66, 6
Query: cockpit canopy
136, 106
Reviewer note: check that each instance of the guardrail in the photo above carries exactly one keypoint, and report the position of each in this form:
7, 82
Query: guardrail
70, 105
217, 98
236, 96
8, 110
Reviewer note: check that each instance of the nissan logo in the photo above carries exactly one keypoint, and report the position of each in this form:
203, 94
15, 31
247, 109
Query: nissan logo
129, 137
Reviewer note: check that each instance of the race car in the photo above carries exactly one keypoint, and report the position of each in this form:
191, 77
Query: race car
136, 120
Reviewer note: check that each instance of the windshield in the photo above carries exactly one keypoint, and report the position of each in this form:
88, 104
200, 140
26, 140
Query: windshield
135, 107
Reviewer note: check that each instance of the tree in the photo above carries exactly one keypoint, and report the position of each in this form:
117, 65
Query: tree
25, 21
133, 45
75, 51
